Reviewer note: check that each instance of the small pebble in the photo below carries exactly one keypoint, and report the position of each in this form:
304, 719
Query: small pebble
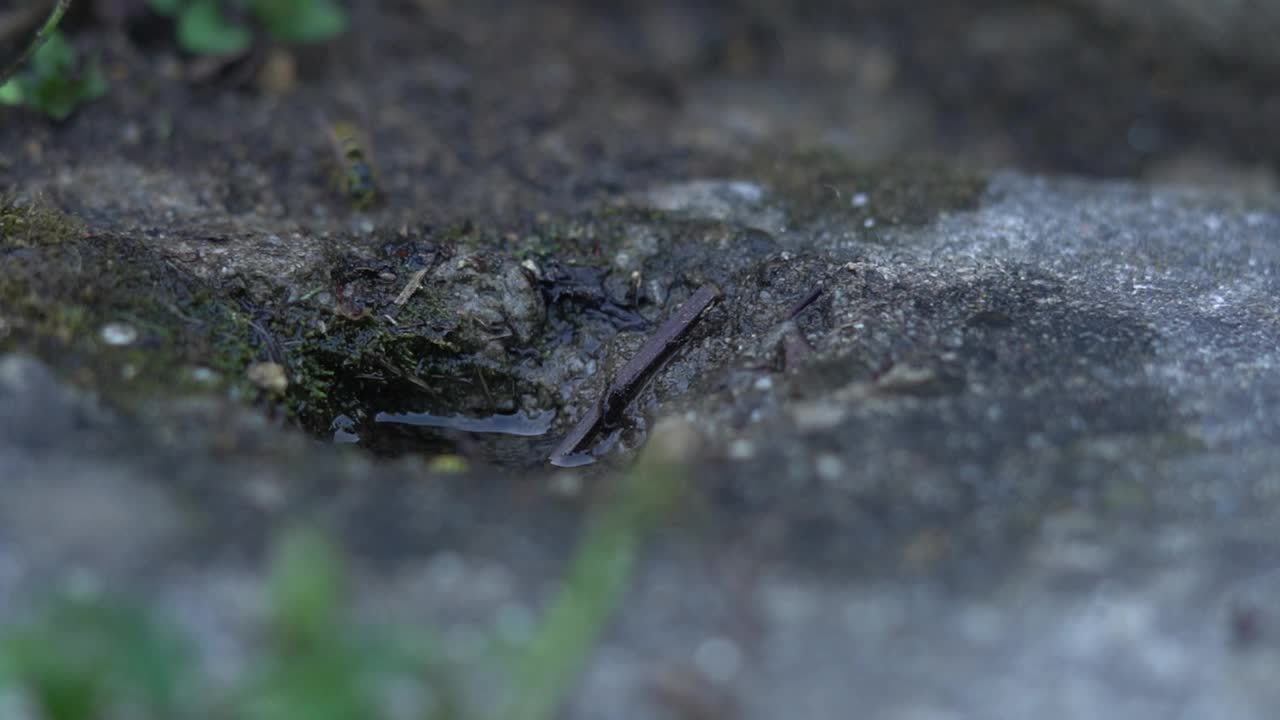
829, 467
269, 376
118, 334
742, 450
447, 464
203, 375
279, 73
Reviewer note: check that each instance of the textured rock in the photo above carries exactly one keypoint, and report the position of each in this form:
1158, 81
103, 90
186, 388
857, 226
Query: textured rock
1030, 467
1240, 30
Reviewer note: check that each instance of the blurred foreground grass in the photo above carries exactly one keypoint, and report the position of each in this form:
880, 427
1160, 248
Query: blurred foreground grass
95, 659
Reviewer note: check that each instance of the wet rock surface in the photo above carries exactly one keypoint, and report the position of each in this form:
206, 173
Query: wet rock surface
958, 443
1028, 462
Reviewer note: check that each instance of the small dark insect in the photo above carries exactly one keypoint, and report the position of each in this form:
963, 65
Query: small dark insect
355, 175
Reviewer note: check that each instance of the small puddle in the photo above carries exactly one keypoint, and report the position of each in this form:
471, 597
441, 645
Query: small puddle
509, 440
524, 424
602, 447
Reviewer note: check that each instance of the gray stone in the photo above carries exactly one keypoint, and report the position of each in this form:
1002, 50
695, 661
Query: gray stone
1031, 467
1242, 30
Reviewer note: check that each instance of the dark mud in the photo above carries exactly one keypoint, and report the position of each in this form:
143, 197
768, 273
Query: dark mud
1020, 431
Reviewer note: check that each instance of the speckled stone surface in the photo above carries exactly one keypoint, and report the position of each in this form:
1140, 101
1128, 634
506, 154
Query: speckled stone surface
1030, 468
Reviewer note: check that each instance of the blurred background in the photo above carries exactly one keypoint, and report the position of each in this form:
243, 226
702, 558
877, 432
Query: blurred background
199, 141
1180, 90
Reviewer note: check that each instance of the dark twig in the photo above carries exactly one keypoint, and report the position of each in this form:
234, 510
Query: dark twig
795, 348
803, 303
628, 381
55, 17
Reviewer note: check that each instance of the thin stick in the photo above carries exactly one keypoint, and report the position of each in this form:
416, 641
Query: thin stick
411, 287
803, 303
631, 377
42, 35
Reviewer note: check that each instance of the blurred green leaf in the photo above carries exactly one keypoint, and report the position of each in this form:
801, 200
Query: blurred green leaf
202, 29
319, 666
55, 56
307, 589
81, 658
52, 83
59, 95
11, 93
301, 21
602, 566
165, 7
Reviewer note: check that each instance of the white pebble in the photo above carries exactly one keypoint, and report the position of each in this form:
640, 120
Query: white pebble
829, 467
118, 334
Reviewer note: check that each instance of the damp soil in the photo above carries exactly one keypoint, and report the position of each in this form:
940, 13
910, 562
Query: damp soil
513, 147
926, 390
521, 154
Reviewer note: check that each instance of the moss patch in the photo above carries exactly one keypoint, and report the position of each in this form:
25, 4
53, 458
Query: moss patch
111, 314
830, 187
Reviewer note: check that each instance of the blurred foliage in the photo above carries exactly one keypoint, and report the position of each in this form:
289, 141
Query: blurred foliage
55, 82
318, 664
91, 659
79, 657
598, 576
300, 21
214, 28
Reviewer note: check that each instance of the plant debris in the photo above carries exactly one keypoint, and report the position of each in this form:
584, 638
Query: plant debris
411, 287
628, 381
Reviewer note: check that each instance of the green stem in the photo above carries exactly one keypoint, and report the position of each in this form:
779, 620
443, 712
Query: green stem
598, 578
55, 17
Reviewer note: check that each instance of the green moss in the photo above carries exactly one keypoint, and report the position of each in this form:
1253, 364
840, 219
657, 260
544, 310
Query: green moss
370, 363
31, 225
116, 316
826, 186
365, 351
347, 347
111, 314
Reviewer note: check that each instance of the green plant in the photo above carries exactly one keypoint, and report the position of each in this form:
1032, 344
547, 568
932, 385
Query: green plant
50, 24
91, 659
319, 665
81, 656
203, 26
55, 83
599, 573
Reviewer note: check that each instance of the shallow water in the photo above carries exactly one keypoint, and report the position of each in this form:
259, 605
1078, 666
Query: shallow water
525, 424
